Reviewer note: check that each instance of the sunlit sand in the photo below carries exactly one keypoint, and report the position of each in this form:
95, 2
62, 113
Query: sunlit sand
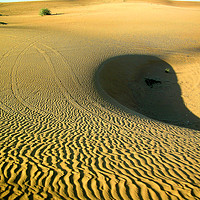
100, 100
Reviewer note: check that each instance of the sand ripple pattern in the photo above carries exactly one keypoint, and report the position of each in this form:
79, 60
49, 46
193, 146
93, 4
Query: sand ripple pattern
59, 139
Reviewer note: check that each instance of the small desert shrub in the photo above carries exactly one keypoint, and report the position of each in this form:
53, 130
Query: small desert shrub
167, 70
45, 11
3, 23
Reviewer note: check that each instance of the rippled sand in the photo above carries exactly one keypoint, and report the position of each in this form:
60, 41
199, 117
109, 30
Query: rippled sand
78, 121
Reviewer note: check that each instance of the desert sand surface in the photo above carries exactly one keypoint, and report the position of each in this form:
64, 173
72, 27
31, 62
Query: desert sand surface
78, 120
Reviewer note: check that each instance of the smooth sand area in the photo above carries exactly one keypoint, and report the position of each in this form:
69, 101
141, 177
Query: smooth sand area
78, 120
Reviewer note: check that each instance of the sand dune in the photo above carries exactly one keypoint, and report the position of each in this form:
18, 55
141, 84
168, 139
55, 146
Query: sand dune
78, 121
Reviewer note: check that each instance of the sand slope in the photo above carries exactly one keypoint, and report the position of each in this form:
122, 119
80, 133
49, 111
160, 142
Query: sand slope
65, 133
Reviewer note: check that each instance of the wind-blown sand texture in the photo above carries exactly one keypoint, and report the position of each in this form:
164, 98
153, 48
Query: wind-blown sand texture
78, 121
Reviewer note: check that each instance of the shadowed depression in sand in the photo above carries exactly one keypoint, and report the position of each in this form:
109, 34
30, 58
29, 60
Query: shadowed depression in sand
78, 117
125, 79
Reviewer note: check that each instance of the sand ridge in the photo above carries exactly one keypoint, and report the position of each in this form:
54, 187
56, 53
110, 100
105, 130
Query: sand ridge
63, 136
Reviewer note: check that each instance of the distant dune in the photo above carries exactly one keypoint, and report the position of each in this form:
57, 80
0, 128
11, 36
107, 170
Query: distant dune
100, 100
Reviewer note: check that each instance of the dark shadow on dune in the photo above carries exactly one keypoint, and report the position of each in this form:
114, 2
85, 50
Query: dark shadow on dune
147, 85
58, 14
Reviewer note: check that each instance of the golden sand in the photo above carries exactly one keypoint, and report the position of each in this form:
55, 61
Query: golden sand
77, 119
